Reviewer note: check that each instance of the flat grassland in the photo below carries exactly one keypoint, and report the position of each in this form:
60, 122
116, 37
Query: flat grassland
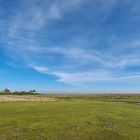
70, 117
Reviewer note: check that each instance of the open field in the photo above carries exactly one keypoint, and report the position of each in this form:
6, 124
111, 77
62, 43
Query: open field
70, 117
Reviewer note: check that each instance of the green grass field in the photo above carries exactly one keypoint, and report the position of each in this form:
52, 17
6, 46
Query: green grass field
72, 117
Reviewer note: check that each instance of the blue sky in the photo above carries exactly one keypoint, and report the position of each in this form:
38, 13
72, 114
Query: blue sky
84, 46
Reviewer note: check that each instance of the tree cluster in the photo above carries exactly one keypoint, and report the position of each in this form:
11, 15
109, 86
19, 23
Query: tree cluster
6, 91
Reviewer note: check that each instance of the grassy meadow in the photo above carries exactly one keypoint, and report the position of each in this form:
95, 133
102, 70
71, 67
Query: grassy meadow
70, 117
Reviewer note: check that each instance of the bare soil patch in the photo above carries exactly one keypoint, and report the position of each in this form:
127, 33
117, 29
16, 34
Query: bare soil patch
6, 98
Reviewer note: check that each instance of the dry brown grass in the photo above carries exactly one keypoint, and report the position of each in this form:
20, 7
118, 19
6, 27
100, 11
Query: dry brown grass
7, 98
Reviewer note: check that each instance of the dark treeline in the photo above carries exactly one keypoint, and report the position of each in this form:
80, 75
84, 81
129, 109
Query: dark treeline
8, 92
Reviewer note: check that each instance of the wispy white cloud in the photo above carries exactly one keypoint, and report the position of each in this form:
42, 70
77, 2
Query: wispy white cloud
33, 15
73, 59
40, 69
78, 78
92, 77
